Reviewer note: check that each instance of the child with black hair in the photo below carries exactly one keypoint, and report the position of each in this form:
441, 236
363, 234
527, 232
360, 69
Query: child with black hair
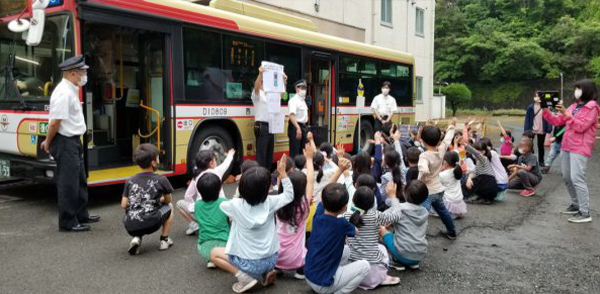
300, 162
430, 164
408, 243
147, 201
327, 269
246, 165
206, 161
412, 156
213, 224
525, 174
499, 170
253, 244
482, 182
364, 246
291, 219
392, 161
450, 177
331, 159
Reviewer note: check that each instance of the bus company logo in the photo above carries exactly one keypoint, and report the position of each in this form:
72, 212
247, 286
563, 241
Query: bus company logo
4, 122
185, 124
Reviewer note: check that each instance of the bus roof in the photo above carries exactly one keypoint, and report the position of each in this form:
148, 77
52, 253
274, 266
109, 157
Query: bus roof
278, 31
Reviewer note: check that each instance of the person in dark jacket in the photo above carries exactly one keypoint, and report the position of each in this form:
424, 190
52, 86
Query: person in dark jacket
535, 122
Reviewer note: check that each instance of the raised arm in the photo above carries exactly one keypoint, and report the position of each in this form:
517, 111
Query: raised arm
310, 172
344, 165
448, 138
557, 119
586, 118
281, 200
390, 215
502, 131
258, 81
224, 166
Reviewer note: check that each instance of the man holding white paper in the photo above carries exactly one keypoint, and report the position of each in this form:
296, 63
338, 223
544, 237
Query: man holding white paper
265, 140
298, 118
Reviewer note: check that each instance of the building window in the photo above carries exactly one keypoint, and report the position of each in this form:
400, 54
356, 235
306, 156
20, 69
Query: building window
419, 89
386, 12
420, 22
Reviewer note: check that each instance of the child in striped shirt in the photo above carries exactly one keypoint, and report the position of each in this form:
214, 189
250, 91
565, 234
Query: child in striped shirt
364, 245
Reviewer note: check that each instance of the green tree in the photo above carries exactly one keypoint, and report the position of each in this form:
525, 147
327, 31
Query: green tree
456, 94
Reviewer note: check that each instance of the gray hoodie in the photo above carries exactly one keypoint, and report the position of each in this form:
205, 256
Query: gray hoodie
410, 231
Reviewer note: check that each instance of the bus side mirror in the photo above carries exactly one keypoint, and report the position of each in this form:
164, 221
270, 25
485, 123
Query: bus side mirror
33, 29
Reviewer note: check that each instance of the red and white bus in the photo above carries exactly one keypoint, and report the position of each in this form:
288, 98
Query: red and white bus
179, 75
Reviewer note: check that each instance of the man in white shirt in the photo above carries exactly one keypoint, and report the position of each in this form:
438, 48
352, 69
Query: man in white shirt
384, 107
66, 125
265, 141
298, 118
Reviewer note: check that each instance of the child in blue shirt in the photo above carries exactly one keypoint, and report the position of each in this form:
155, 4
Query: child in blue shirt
325, 268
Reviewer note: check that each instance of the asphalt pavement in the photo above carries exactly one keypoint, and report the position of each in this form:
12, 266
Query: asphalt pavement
519, 245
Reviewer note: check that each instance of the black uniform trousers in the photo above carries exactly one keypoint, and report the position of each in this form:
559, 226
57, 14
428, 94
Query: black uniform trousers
296, 146
71, 180
265, 144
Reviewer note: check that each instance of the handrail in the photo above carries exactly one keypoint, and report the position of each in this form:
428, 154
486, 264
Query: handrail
47, 86
157, 129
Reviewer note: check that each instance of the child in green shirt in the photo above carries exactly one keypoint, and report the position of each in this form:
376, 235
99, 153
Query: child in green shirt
212, 222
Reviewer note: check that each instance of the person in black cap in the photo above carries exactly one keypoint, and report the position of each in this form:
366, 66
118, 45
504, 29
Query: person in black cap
298, 118
63, 142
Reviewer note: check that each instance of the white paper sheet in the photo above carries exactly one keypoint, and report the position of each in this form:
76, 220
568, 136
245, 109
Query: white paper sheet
276, 122
273, 77
273, 102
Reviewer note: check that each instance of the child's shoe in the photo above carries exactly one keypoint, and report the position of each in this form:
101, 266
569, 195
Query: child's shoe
299, 274
414, 267
192, 229
450, 236
165, 244
269, 278
134, 245
527, 193
390, 281
397, 266
210, 264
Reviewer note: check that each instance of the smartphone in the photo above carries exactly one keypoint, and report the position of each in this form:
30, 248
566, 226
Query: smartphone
549, 99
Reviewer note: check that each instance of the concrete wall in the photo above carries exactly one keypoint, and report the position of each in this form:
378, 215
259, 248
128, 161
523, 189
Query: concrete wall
360, 20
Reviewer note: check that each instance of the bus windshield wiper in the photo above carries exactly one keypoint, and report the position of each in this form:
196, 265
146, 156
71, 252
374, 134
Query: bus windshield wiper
11, 83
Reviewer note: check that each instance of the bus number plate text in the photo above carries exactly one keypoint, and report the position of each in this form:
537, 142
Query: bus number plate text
214, 111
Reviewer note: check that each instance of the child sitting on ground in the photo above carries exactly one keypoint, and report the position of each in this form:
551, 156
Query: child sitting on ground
430, 163
482, 182
525, 174
499, 170
147, 201
291, 219
253, 244
408, 243
206, 161
326, 267
364, 246
412, 156
213, 224
450, 177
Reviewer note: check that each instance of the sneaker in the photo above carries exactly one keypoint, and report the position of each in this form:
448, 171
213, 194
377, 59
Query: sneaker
134, 245
210, 264
414, 267
450, 236
581, 218
397, 266
243, 286
572, 209
527, 193
545, 169
299, 275
192, 229
165, 244
390, 281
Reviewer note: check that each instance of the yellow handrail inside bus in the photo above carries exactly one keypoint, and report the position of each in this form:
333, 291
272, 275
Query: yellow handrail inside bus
47, 86
156, 130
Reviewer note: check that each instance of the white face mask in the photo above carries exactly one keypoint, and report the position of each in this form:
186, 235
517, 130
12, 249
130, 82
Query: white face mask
578, 93
521, 151
302, 93
82, 81
536, 99
385, 91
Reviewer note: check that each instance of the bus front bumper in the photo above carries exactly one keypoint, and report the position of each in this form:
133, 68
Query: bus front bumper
29, 168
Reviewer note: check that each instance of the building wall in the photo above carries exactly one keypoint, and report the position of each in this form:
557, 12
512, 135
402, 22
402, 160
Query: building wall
360, 20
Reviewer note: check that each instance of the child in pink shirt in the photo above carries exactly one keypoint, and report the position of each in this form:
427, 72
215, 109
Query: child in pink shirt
291, 219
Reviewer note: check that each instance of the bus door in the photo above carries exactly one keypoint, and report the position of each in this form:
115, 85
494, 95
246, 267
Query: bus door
319, 74
128, 94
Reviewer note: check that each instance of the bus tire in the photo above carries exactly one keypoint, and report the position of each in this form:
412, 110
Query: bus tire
368, 132
213, 138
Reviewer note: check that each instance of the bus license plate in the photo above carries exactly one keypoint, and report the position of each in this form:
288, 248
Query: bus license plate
4, 168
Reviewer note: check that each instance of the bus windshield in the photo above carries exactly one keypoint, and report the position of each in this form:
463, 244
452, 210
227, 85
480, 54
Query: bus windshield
34, 69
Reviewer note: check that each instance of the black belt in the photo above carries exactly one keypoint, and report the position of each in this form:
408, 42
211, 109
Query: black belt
66, 137
261, 122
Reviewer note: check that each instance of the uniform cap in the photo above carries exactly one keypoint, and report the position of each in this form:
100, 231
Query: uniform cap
75, 62
301, 82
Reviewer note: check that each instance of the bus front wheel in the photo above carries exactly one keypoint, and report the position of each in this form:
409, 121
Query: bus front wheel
216, 139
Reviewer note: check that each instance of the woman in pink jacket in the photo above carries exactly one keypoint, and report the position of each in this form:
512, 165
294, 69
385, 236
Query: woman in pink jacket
581, 122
